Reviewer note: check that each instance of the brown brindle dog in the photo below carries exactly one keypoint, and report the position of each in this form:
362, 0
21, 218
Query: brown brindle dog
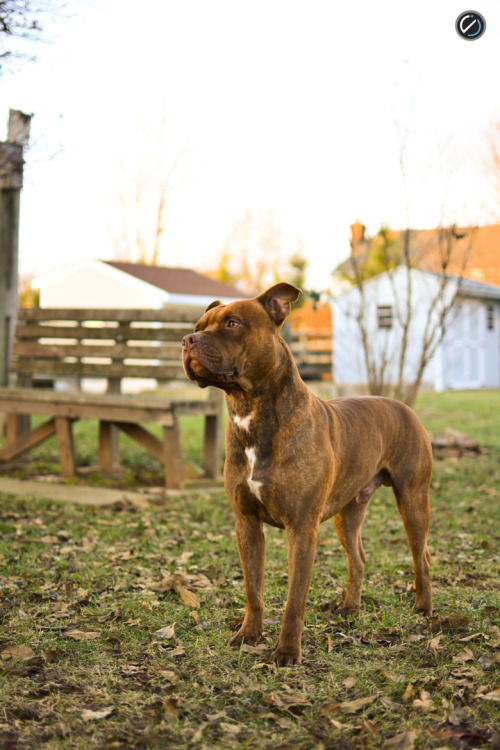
293, 460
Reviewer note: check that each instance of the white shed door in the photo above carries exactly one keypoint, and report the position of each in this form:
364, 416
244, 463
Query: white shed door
464, 348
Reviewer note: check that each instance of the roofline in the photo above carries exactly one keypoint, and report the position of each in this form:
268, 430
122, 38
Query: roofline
476, 288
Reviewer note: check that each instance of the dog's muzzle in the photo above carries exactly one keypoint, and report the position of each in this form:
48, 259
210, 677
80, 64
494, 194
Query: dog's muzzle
200, 366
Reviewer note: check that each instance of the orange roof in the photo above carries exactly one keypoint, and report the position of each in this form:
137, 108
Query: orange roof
309, 318
478, 247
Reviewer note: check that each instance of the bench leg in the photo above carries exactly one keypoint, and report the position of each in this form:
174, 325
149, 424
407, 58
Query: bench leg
15, 448
109, 446
66, 447
17, 425
172, 458
212, 446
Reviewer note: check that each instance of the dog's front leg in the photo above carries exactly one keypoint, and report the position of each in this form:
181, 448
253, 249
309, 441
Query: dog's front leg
301, 551
252, 548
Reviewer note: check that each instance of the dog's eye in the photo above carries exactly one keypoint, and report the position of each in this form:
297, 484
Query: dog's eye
232, 324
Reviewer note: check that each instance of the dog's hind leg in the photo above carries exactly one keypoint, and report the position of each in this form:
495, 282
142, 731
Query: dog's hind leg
414, 506
348, 524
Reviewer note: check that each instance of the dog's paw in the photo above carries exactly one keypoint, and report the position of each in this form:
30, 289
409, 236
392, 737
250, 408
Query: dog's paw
424, 607
347, 609
243, 636
287, 657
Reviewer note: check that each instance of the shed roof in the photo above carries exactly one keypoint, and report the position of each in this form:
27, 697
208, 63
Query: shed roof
468, 287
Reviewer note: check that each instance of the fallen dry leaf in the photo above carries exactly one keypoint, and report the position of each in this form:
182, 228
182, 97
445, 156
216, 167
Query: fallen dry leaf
188, 597
81, 635
415, 637
19, 653
89, 715
390, 704
245, 648
493, 696
383, 673
454, 622
167, 632
403, 741
230, 728
329, 644
182, 559
463, 656
494, 633
168, 674
349, 682
407, 693
284, 701
434, 645
339, 725
352, 707
470, 637
424, 702
458, 716
50, 654
369, 727
170, 707
330, 709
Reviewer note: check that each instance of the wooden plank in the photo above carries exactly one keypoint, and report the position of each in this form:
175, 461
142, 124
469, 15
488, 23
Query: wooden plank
85, 369
117, 351
25, 398
154, 446
93, 411
142, 436
213, 436
17, 425
212, 454
109, 446
28, 441
168, 313
74, 333
172, 457
66, 446
114, 387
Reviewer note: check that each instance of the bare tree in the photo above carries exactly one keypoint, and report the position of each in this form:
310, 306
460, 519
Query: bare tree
387, 365
147, 181
254, 253
22, 22
492, 164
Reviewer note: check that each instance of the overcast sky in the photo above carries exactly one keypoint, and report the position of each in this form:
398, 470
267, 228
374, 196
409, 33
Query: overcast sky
296, 107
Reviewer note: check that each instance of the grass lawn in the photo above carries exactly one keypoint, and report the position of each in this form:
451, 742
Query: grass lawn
115, 621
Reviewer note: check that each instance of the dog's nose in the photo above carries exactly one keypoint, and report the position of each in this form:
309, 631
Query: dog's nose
190, 340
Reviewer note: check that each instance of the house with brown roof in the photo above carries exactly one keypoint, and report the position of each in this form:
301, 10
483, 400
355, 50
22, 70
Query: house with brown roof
116, 284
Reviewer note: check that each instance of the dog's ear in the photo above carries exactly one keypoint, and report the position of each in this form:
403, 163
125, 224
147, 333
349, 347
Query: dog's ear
277, 301
216, 303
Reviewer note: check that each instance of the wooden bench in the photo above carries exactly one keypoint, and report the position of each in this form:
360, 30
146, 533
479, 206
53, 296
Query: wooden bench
61, 347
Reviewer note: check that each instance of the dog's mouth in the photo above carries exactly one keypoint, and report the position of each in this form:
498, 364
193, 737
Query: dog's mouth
204, 376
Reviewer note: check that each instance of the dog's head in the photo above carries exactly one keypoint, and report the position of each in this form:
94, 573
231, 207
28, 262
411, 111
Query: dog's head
236, 345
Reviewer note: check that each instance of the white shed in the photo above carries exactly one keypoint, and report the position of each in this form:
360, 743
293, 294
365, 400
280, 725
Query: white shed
467, 357
115, 284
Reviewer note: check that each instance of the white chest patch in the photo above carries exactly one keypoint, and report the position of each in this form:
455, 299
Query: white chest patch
252, 483
243, 422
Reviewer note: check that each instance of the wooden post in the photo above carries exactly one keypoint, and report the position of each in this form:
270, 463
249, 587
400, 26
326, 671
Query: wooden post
212, 458
66, 446
11, 182
172, 458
